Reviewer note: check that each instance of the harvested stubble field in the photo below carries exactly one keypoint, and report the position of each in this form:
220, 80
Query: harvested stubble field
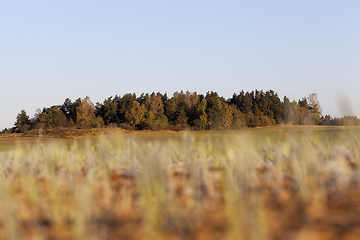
247, 185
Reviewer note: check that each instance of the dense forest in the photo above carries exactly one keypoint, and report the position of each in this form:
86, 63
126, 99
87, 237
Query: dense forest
184, 110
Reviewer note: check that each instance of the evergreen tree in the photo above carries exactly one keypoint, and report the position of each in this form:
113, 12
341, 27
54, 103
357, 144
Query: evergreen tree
154, 113
213, 110
107, 110
123, 105
22, 123
70, 110
238, 118
52, 117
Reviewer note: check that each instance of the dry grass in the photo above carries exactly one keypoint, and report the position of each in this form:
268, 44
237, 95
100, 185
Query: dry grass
78, 133
241, 186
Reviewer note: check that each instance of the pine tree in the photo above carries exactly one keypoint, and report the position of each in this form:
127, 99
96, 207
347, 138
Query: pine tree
22, 123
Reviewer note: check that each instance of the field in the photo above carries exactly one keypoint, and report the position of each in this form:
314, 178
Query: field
266, 183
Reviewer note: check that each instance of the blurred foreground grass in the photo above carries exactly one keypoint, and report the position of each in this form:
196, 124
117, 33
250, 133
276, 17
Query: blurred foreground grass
247, 185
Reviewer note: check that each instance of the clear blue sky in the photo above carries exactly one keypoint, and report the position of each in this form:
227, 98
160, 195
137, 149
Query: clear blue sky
51, 50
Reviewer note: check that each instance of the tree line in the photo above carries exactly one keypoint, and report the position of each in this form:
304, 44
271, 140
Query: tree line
184, 110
